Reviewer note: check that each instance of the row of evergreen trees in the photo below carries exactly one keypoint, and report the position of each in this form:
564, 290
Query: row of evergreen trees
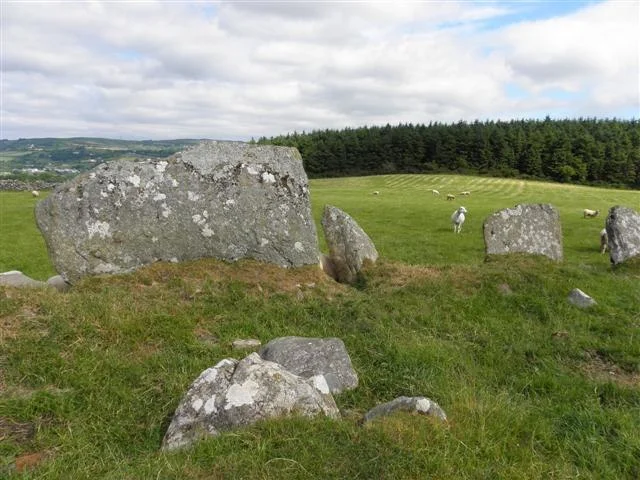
577, 151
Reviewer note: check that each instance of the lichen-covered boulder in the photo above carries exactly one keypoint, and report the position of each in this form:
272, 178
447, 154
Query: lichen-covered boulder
533, 229
226, 200
421, 405
308, 357
349, 245
234, 394
623, 232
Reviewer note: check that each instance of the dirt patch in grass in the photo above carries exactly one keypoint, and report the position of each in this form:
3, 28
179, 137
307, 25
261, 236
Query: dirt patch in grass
18, 432
11, 326
600, 368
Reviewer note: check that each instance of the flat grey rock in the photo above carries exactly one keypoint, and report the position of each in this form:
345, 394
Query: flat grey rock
309, 357
421, 405
246, 344
15, 278
623, 234
58, 283
349, 245
233, 394
533, 229
580, 299
226, 200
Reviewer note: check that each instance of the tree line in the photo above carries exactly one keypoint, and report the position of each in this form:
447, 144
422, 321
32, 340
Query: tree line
585, 151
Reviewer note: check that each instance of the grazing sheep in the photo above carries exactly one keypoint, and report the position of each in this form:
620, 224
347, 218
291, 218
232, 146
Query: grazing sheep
465, 193
604, 240
451, 197
35, 193
435, 192
457, 219
376, 192
590, 213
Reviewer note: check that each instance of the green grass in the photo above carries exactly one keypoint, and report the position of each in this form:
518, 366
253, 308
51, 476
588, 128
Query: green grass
534, 388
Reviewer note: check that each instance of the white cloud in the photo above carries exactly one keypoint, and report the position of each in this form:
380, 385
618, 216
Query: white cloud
242, 69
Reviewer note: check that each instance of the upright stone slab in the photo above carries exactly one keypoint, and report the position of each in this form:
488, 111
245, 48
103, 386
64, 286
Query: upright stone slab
623, 231
531, 229
234, 394
349, 245
227, 200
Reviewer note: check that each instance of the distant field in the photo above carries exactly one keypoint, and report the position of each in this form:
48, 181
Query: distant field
405, 221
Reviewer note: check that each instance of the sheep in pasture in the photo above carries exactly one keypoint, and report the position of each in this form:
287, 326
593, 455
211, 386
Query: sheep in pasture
604, 240
451, 197
35, 193
590, 213
376, 192
457, 219
435, 192
464, 194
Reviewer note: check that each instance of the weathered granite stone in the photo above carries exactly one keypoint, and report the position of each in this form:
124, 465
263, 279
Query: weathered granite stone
234, 394
349, 246
580, 299
420, 405
309, 357
15, 278
227, 200
623, 231
531, 229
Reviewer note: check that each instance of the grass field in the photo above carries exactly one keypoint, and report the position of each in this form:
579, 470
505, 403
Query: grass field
534, 387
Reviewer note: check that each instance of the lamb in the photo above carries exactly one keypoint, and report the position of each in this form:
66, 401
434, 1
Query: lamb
457, 219
35, 193
435, 192
604, 240
451, 197
376, 192
464, 194
590, 213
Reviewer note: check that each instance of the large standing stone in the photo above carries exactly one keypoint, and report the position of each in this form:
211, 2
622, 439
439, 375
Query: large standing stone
349, 246
309, 357
623, 231
227, 200
531, 229
234, 394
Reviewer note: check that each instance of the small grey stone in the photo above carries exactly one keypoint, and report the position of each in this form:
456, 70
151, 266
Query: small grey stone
623, 234
58, 283
580, 299
246, 344
349, 246
15, 278
314, 356
422, 405
531, 229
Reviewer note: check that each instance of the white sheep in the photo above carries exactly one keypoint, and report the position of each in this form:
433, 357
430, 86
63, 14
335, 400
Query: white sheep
451, 197
35, 193
464, 194
590, 213
435, 192
457, 219
604, 240
376, 192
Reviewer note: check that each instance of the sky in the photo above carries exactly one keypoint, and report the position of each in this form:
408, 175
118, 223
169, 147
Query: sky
236, 70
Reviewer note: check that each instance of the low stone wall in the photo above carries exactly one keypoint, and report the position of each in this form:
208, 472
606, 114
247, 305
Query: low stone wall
20, 186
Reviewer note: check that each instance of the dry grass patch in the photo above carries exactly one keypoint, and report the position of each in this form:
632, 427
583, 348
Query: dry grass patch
391, 275
599, 368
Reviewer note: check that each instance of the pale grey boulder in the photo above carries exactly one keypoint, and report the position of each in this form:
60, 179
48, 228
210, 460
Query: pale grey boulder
309, 357
533, 229
58, 283
580, 299
246, 344
226, 200
421, 405
623, 232
349, 245
233, 394
15, 278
